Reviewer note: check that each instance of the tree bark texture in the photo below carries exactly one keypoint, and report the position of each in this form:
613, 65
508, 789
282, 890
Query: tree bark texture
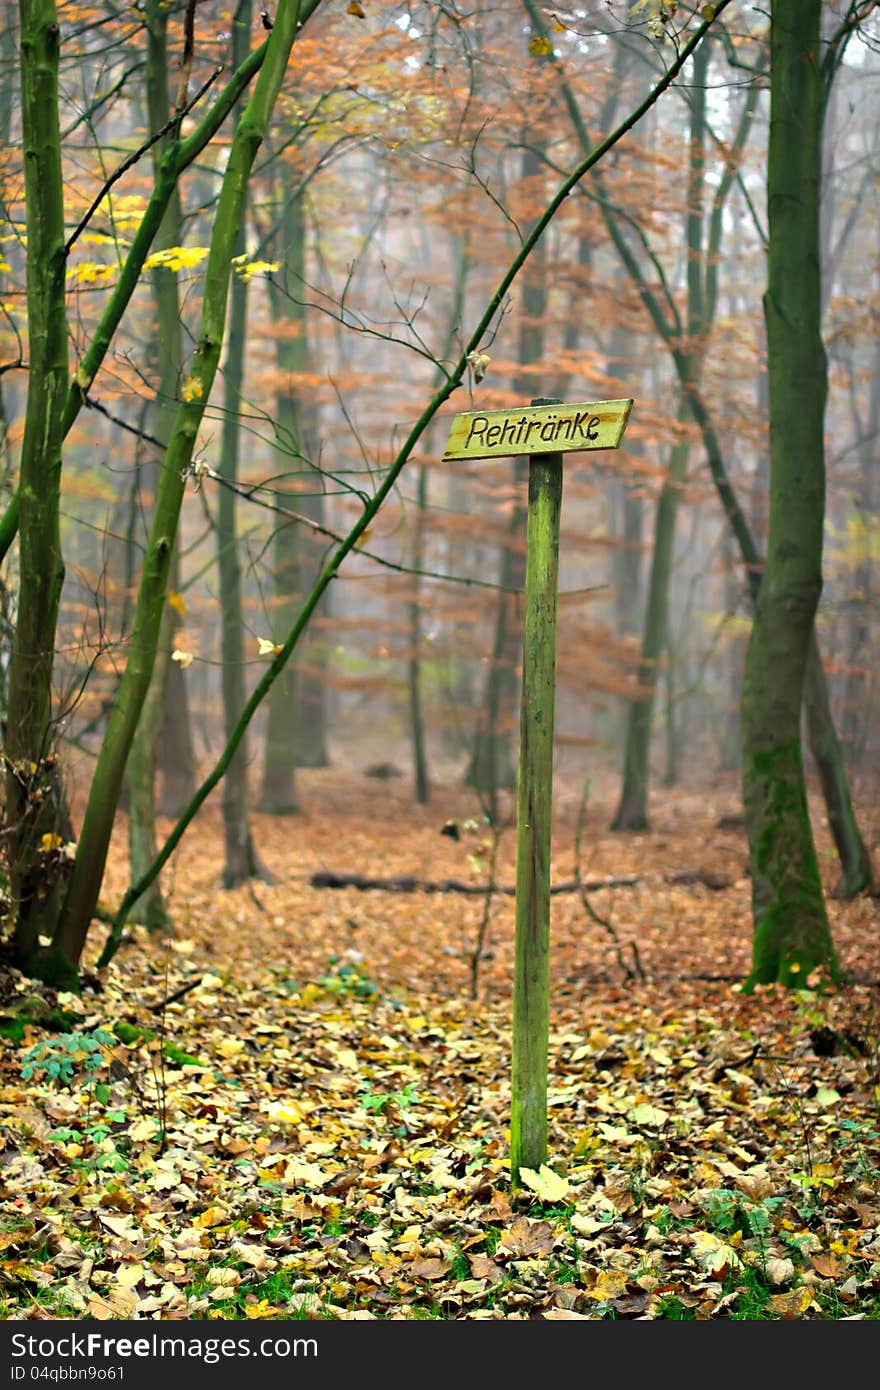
791, 935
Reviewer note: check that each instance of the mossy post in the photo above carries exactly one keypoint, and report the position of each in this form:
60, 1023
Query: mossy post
538, 431
534, 806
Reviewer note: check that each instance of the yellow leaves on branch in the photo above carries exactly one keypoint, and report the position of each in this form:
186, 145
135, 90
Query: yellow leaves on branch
247, 269
182, 658
267, 647
173, 258
176, 258
540, 47
91, 273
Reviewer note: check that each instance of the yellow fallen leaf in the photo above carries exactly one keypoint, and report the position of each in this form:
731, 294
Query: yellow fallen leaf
128, 1275
122, 1226
646, 1114
549, 1186
211, 1216
285, 1112
147, 1128
304, 1174
827, 1095
715, 1256
793, 1304
610, 1283
587, 1225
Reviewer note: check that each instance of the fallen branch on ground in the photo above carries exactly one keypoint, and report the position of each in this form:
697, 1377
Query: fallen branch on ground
404, 884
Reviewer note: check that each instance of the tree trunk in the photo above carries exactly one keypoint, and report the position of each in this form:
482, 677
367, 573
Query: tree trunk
492, 766
421, 778
632, 812
32, 778
791, 931
493, 761
278, 792
242, 862
91, 856
241, 858
140, 769
177, 754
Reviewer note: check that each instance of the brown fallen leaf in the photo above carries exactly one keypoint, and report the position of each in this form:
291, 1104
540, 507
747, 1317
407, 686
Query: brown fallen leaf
526, 1237
793, 1304
484, 1267
499, 1206
427, 1269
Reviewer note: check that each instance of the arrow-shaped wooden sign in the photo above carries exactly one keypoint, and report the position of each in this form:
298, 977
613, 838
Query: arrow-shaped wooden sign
537, 429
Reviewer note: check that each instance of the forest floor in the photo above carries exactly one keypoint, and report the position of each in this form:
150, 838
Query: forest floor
318, 1126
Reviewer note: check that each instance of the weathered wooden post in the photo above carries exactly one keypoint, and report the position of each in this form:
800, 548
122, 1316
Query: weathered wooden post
538, 432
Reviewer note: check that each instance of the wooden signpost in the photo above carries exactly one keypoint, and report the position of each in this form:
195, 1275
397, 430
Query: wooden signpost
544, 430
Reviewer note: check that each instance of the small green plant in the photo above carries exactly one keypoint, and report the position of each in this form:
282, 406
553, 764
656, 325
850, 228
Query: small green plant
345, 979
61, 1057
391, 1103
68, 1058
860, 1144
403, 1099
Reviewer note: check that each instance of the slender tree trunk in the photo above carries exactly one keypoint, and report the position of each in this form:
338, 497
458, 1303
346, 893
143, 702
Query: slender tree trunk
177, 754
670, 724
242, 862
141, 779
278, 792
632, 811
140, 769
493, 761
32, 778
856, 872
421, 778
791, 931
492, 766
98, 823
856, 716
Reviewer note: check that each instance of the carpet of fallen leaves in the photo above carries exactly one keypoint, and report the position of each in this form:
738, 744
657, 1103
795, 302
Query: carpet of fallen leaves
317, 1127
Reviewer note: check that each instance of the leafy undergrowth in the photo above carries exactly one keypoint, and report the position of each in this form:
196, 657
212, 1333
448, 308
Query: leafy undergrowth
316, 1125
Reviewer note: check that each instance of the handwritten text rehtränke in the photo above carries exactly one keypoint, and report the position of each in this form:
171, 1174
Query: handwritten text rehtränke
554, 429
